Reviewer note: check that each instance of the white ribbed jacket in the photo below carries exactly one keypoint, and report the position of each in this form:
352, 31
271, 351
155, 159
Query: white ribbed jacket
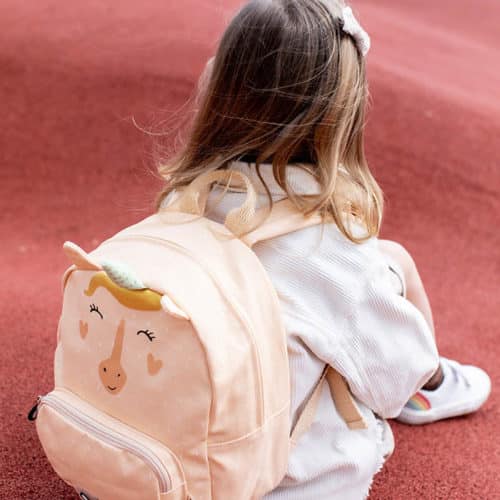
340, 307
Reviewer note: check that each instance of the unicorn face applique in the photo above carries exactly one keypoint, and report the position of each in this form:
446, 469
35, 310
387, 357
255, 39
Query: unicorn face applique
122, 326
116, 293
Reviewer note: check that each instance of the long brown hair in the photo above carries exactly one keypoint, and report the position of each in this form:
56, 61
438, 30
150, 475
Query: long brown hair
286, 81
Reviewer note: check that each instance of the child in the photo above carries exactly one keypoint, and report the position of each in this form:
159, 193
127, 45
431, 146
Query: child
283, 101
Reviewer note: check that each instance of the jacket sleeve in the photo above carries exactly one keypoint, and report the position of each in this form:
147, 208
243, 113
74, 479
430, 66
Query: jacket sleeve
385, 349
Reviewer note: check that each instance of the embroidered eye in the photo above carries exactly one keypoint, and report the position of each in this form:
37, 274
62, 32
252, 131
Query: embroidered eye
94, 308
149, 335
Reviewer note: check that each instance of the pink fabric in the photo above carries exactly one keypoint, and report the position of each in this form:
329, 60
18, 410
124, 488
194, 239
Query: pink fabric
74, 167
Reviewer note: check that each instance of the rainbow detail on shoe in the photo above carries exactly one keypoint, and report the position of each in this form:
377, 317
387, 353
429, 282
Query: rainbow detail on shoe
418, 402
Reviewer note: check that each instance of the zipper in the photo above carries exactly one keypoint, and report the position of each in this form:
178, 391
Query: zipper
240, 313
113, 438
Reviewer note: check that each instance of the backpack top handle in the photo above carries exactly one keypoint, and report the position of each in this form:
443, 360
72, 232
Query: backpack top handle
282, 219
193, 198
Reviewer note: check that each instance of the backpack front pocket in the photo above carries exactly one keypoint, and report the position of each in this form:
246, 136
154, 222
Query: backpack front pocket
103, 458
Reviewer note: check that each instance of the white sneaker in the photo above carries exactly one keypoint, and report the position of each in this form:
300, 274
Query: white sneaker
463, 390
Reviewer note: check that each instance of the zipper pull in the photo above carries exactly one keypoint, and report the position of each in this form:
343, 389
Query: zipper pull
34, 411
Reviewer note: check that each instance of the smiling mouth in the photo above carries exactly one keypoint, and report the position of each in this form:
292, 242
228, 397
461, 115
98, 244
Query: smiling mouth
111, 388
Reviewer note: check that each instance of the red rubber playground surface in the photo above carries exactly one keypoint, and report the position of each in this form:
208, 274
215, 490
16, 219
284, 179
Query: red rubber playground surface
75, 167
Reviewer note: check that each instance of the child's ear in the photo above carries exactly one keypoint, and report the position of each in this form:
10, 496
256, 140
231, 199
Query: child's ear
79, 257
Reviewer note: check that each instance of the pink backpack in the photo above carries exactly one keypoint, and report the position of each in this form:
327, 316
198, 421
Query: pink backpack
171, 367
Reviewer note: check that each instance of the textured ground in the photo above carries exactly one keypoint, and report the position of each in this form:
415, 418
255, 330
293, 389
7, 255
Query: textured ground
73, 166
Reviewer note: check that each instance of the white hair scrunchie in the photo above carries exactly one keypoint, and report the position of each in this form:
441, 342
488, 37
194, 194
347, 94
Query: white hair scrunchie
353, 28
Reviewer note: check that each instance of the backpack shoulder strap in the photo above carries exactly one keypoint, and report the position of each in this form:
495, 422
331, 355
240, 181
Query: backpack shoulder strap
342, 398
283, 219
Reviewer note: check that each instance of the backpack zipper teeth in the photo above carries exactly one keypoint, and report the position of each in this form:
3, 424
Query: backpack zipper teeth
120, 441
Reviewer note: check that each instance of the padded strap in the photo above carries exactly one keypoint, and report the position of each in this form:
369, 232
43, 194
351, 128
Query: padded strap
283, 219
342, 398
